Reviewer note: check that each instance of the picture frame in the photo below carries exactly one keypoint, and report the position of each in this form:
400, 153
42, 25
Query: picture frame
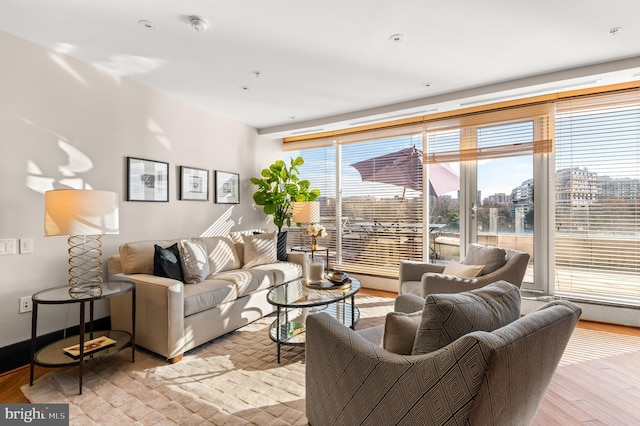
147, 180
194, 184
227, 186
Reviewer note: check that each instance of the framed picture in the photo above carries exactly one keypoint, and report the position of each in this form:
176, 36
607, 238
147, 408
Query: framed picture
227, 187
194, 184
147, 180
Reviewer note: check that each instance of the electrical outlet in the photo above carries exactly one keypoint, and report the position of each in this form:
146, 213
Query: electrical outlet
25, 304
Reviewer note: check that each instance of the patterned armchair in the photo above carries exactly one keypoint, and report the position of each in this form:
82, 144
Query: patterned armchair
423, 279
492, 378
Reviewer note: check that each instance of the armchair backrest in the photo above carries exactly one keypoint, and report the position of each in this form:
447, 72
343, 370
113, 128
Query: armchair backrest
523, 358
482, 378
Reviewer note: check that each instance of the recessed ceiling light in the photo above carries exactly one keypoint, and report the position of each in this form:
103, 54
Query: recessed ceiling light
199, 24
147, 24
427, 84
292, 117
245, 88
614, 31
396, 38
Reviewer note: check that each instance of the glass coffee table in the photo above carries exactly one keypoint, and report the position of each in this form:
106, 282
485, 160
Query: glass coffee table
294, 301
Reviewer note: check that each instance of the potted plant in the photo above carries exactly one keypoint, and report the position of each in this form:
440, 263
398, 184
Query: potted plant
279, 186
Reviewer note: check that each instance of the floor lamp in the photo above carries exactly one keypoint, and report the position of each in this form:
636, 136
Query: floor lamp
83, 215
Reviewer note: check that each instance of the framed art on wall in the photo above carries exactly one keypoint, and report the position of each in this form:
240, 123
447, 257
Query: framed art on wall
227, 187
147, 180
194, 184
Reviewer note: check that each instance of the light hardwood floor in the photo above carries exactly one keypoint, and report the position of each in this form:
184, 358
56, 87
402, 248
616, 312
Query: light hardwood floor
566, 401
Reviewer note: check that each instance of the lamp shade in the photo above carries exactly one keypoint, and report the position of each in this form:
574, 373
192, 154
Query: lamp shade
305, 211
80, 212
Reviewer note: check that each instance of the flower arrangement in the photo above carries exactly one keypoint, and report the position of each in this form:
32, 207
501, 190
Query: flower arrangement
315, 230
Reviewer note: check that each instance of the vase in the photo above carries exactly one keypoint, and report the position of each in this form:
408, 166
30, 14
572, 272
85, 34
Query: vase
314, 243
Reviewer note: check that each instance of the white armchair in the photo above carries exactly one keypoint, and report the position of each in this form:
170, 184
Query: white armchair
423, 279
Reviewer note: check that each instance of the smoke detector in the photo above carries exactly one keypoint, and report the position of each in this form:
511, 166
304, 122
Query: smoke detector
199, 24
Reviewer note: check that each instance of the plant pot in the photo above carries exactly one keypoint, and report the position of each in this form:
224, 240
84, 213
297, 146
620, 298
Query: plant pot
282, 246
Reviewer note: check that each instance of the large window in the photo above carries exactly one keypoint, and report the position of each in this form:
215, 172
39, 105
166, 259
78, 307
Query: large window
597, 249
559, 179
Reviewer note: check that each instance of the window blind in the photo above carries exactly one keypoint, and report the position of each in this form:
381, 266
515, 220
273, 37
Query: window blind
597, 248
381, 194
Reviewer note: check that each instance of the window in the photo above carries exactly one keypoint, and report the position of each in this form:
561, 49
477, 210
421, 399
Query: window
570, 170
597, 214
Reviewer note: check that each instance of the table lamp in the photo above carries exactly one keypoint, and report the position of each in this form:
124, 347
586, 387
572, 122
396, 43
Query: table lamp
83, 215
305, 211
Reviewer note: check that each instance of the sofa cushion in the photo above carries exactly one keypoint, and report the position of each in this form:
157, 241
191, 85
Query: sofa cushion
195, 263
447, 317
206, 295
222, 254
461, 270
493, 258
137, 257
246, 281
399, 331
282, 272
166, 262
259, 249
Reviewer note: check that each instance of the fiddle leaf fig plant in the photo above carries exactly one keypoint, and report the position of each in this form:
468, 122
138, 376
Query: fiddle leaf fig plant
279, 186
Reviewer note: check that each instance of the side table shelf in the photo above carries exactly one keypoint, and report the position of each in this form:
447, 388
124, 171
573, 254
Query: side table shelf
53, 354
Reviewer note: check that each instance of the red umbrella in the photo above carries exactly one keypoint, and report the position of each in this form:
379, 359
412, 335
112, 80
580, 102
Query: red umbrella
404, 168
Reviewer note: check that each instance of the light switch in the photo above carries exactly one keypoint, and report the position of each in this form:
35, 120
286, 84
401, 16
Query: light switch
8, 246
26, 245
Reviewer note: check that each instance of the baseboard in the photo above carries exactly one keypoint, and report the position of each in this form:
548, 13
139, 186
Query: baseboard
19, 354
591, 311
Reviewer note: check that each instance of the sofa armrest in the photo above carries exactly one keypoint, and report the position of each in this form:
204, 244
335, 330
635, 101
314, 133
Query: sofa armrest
412, 271
159, 314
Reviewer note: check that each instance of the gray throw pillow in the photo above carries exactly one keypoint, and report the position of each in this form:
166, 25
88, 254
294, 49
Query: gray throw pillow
493, 258
447, 317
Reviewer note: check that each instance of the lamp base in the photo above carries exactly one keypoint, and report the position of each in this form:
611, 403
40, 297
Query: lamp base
85, 264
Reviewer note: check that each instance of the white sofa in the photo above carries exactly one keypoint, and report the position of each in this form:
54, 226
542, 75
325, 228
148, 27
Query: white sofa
173, 317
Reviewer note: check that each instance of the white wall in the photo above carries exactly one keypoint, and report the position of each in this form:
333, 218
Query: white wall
64, 123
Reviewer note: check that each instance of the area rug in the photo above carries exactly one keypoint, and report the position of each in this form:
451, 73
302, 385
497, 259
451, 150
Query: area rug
235, 379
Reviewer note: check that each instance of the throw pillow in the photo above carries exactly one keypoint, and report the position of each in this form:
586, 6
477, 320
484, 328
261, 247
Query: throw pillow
461, 270
260, 249
400, 331
195, 263
166, 262
493, 258
447, 317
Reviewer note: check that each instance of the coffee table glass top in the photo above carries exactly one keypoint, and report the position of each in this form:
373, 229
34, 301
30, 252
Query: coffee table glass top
296, 294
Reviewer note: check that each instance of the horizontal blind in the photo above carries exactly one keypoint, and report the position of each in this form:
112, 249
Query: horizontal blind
320, 170
509, 139
598, 197
381, 200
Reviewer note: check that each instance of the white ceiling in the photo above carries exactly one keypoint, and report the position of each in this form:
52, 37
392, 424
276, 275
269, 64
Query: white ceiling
330, 64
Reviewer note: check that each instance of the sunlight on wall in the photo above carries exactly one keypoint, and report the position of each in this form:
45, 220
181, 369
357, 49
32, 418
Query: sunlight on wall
222, 226
77, 163
65, 48
66, 67
125, 65
159, 134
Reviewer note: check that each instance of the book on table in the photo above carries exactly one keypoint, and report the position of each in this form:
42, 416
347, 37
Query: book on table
90, 346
